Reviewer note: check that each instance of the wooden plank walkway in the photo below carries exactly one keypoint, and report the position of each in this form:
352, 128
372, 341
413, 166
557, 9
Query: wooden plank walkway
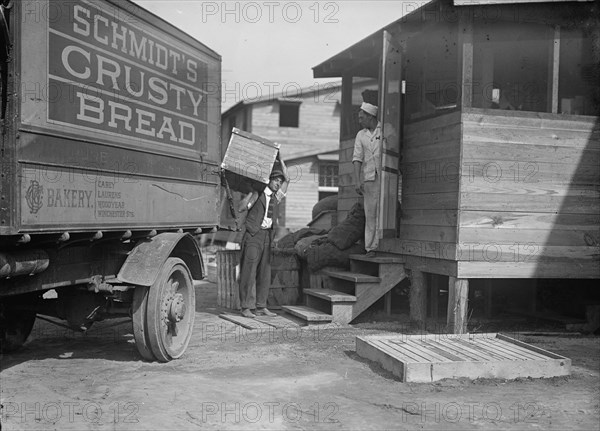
260, 322
427, 358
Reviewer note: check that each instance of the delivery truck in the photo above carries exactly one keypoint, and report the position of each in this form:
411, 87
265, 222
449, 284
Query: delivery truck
110, 166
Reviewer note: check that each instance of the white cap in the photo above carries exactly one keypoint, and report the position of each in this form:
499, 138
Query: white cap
369, 109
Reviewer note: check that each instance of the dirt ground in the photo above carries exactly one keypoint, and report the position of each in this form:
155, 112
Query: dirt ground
232, 378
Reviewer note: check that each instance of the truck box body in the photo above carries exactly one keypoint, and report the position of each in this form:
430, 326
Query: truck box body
111, 122
110, 161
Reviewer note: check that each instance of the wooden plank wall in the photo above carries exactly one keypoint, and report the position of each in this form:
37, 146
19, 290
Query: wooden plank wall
529, 196
303, 192
430, 181
318, 128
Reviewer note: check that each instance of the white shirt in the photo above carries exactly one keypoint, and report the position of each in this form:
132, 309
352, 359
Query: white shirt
267, 222
367, 150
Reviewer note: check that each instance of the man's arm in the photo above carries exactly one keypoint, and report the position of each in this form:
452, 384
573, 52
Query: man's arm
284, 186
357, 161
358, 184
248, 201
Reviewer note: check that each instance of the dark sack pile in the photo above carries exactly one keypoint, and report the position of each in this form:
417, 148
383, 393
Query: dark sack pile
326, 204
345, 234
320, 249
326, 254
291, 239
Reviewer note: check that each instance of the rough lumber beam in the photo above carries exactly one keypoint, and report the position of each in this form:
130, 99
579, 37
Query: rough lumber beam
465, 65
458, 292
418, 297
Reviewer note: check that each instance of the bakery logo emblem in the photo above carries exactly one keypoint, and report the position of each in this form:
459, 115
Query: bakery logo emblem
34, 196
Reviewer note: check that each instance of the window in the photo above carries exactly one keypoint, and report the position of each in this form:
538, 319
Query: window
289, 114
511, 66
328, 175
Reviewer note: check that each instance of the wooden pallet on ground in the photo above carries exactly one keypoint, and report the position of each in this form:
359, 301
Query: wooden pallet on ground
432, 357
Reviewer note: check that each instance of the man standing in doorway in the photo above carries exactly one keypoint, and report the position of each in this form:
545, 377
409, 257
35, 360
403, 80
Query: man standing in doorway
255, 265
367, 171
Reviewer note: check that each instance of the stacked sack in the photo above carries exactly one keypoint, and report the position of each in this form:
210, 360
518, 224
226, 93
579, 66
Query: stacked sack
320, 248
335, 248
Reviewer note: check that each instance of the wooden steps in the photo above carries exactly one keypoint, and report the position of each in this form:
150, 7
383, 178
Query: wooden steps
330, 295
343, 295
377, 259
351, 276
308, 314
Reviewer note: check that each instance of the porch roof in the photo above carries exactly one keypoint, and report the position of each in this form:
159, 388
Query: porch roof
358, 59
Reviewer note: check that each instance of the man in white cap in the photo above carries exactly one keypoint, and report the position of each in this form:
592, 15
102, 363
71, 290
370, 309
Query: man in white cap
367, 161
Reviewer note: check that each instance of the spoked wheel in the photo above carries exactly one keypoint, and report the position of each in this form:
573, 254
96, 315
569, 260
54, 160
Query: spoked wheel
140, 333
15, 327
170, 311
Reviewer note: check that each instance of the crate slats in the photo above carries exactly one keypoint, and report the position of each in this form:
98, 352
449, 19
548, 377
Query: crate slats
250, 156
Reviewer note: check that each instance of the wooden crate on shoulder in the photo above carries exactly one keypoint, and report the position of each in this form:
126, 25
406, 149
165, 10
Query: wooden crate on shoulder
250, 156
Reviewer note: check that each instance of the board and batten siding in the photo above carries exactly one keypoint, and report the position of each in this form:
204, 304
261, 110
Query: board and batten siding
529, 196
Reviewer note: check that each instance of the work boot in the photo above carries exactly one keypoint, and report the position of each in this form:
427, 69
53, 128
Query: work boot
247, 313
265, 312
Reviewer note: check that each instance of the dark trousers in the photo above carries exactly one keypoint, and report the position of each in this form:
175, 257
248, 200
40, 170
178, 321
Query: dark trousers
255, 269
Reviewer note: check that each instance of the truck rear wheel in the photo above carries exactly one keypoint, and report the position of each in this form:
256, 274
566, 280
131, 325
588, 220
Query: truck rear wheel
170, 311
15, 327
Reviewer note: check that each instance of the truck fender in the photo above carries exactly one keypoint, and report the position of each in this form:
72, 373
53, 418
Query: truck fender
145, 261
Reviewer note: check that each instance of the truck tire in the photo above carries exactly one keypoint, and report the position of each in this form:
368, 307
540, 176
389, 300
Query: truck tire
140, 331
170, 311
15, 327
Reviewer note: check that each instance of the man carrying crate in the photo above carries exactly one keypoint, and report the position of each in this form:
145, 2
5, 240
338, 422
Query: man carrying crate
255, 264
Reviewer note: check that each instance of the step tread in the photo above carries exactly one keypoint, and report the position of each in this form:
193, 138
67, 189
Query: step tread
377, 259
331, 295
307, 313
351, 276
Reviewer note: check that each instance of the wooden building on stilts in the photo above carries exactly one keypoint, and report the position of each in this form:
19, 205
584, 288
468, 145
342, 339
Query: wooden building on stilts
491, 160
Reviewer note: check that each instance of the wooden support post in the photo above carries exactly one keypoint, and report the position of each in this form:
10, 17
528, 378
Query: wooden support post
553, 68
418, 297
487, 297
465, 60
387, 302
458, 292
